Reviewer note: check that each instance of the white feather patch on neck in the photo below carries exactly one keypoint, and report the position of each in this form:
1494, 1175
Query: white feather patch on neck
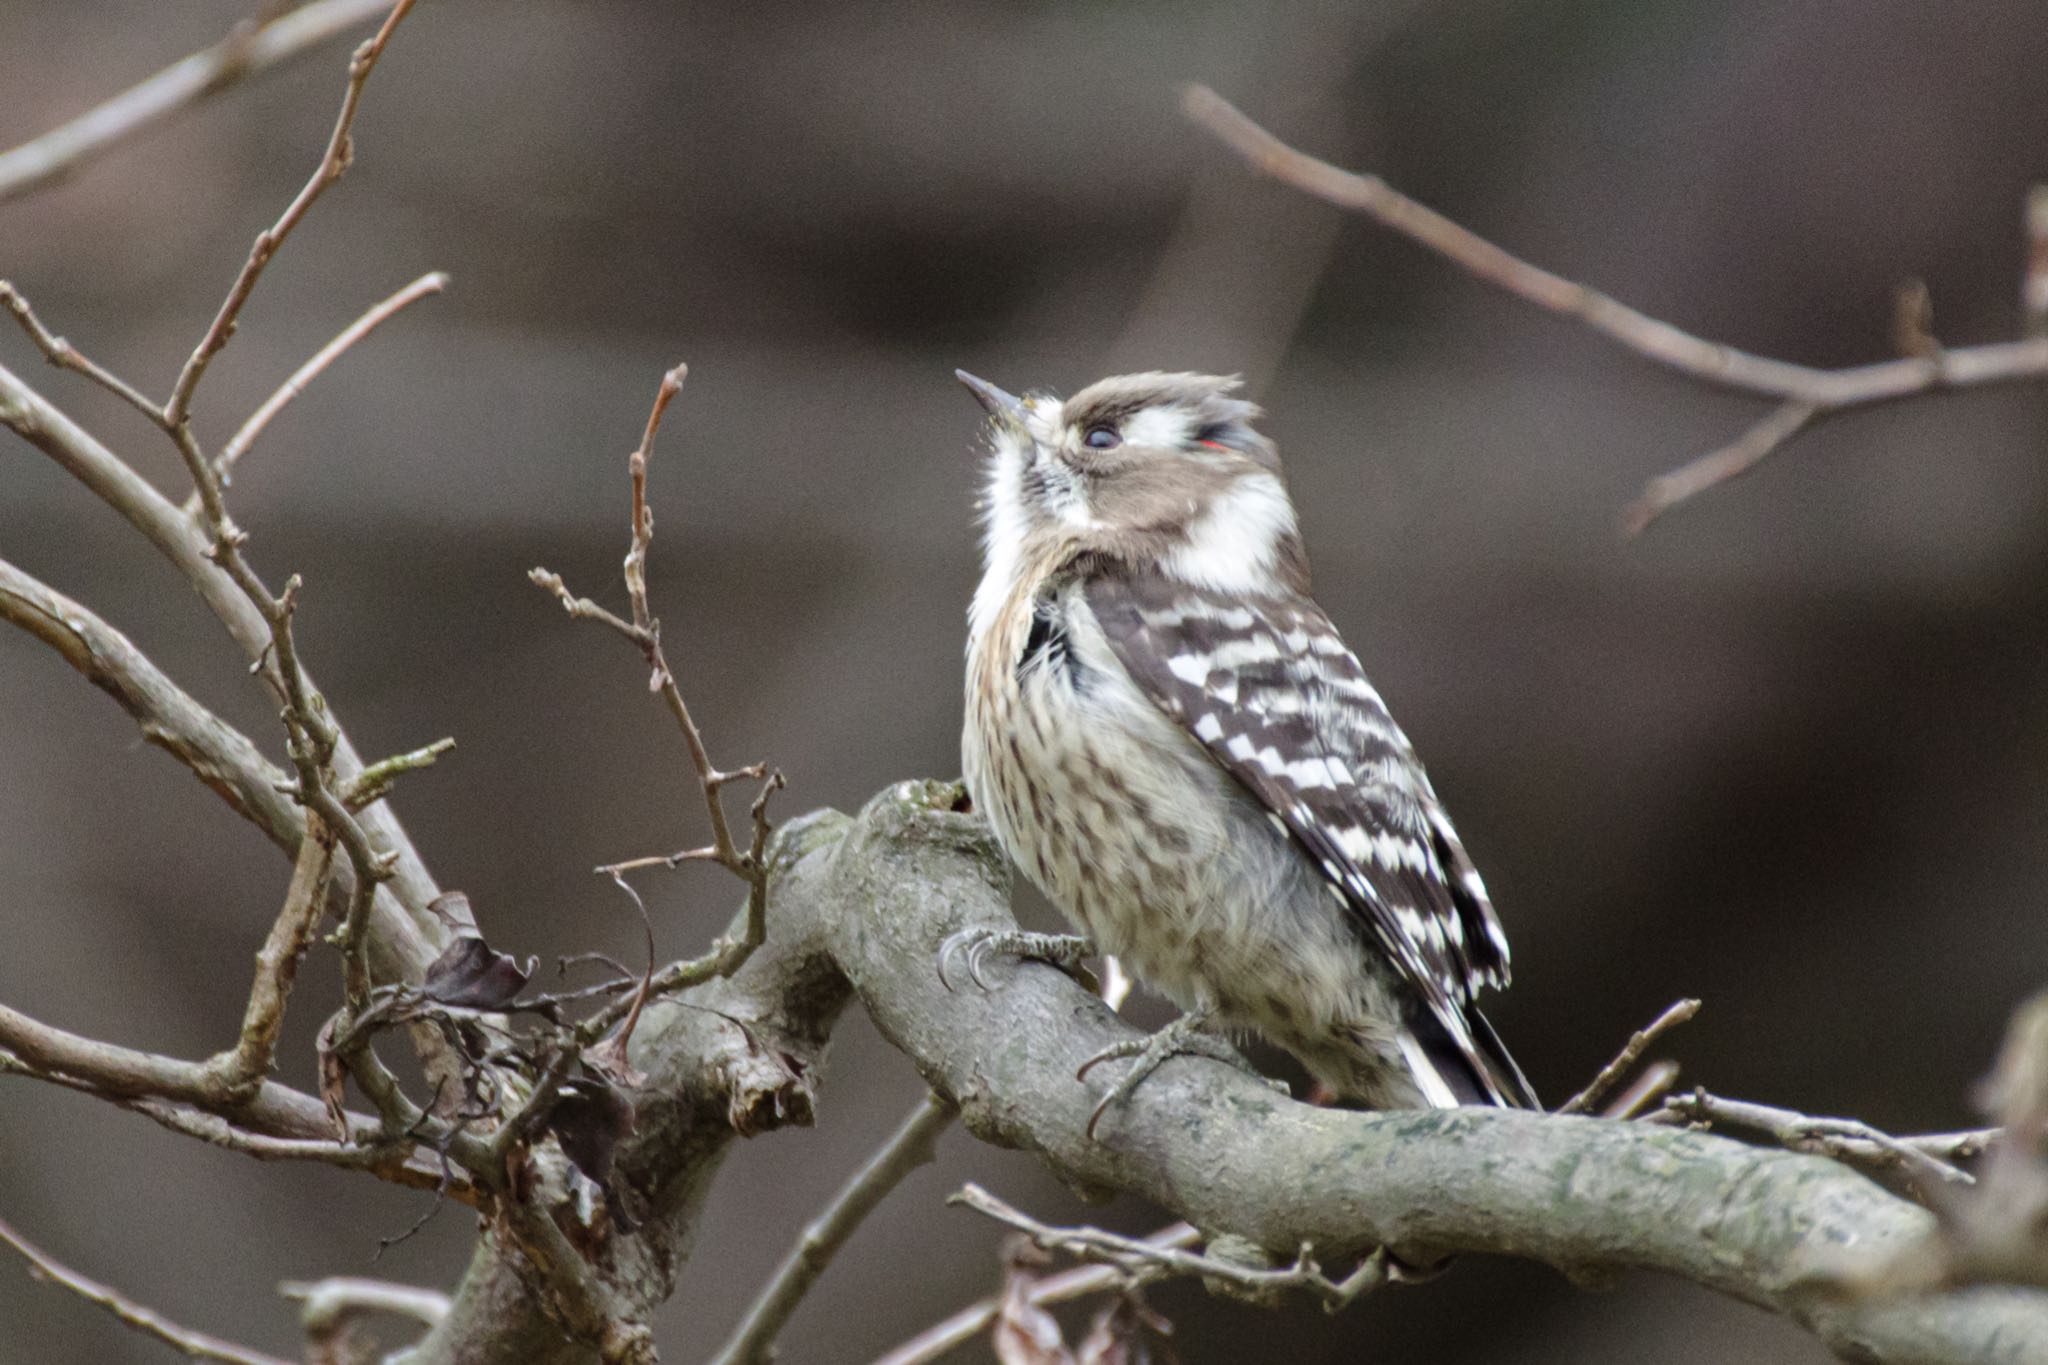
1235, 545
1007, 524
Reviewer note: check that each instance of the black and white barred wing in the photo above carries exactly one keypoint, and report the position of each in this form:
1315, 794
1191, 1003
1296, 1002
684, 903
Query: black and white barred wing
1269, 688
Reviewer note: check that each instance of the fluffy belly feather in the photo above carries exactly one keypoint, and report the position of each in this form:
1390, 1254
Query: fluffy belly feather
1156, 854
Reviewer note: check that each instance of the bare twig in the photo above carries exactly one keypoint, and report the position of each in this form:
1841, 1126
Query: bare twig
332, 1301
1143, 1261
374, 782
1649, 1088
148, 1321
1926, 1162
411, 937
1996, 1233
334, 164
238, 444
1805, 393
65, 356
611, 1052
397, 1160
243, 1066
644, 631
219, 755
1666, 491
1616, 1071
910, 1146
215, 1101
943, 1338
250, 48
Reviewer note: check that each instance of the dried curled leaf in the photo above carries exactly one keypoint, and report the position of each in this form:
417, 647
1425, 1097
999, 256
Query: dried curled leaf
452, 909
590, 1119
1024, 1333
473, 974
1127, 1332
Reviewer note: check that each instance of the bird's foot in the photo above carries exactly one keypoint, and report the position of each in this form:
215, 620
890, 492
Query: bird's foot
975, 946
1187, 1036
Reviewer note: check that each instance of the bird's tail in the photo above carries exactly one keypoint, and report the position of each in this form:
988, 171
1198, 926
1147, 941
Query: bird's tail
1451, 1073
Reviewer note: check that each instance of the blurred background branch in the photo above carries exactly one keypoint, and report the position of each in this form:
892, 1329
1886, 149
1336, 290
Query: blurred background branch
272, 38
1807, 394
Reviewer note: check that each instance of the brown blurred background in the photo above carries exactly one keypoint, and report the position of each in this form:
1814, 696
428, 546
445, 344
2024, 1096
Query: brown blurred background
1785, 752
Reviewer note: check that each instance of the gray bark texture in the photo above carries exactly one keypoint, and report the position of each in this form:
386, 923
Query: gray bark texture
859, 909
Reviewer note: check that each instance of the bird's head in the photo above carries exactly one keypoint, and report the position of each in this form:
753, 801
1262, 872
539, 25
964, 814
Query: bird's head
1157, 470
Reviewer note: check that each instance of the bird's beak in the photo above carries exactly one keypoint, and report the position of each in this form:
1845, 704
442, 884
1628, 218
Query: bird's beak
1005, 407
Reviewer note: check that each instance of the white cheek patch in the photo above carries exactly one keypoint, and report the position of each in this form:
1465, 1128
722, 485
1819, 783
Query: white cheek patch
1162, 427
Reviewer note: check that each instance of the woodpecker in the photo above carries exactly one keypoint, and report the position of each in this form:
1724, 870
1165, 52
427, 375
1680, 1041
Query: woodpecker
1173, 742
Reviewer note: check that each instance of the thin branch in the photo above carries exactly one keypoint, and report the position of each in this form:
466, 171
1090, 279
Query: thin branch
238, 444
1666, 491
610, 1054
396, 1160
277, 964
1655, 340
189, 1097
334, 164
409, 938
644, 631
910, 1146
313, 739
1850, 1141
1143, 1261
148, 1321
332, 1301
248, 50
1806, 394
1617, 1071
375, 781
945, 1337
65, 356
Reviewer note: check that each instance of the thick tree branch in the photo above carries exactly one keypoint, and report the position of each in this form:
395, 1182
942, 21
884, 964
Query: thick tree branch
873, 898
252, 48
737, 1055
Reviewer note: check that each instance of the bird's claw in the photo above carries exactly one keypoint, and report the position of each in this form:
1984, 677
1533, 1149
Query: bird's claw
1186, 1036
981, 942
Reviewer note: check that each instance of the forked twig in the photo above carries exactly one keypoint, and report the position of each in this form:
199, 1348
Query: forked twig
238, 445
1617, 1071
1928, 1161
1144, 1261
1805, 394
749, 864
334, 163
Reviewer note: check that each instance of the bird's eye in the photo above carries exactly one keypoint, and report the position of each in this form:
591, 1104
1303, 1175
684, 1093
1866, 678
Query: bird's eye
1102, 438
